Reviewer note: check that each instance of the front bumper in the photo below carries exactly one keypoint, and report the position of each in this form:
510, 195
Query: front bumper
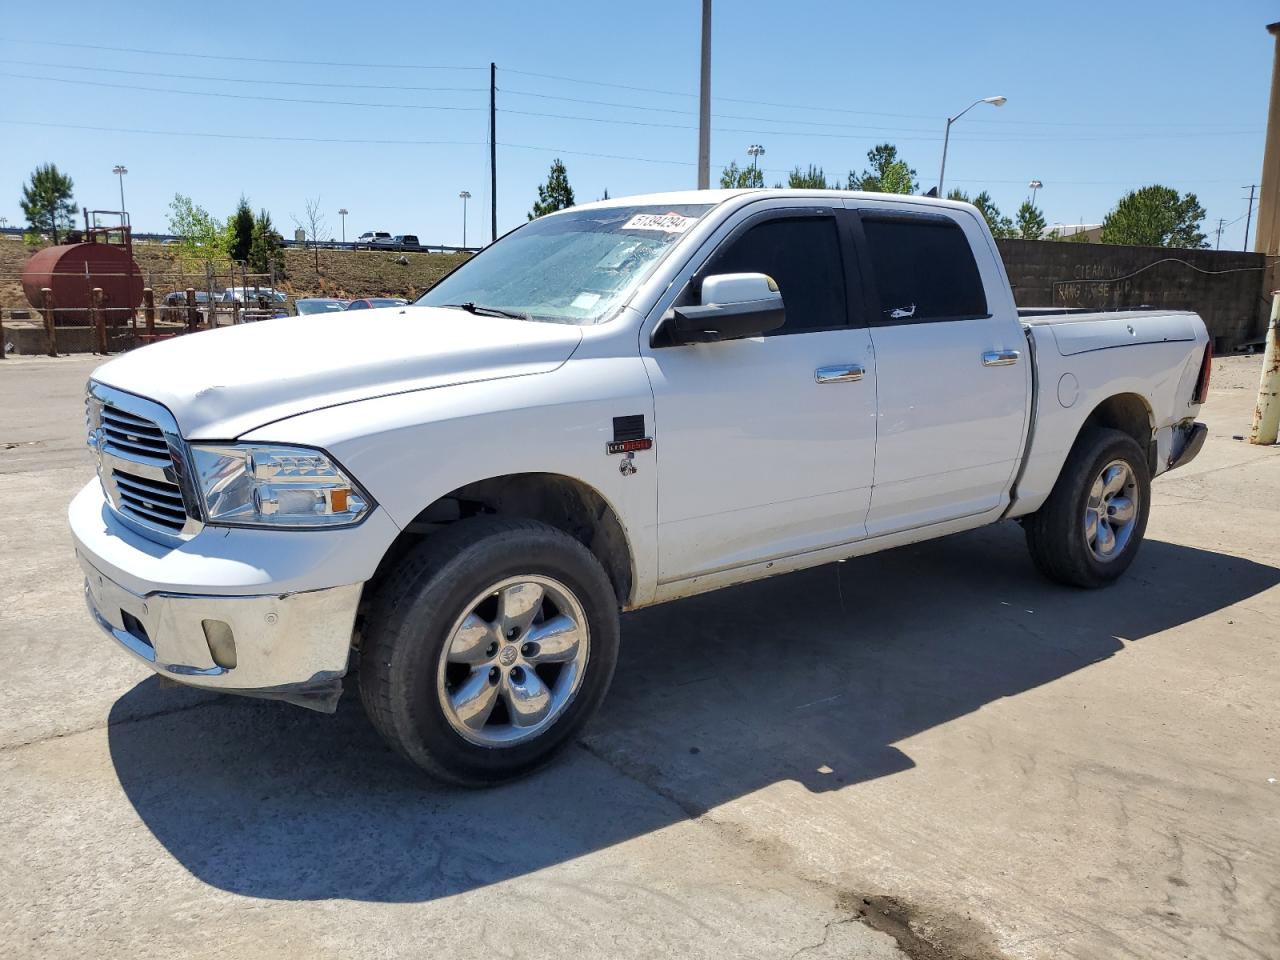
261, 613
292, 647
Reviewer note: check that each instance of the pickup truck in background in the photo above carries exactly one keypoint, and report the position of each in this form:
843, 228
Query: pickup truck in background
615, 405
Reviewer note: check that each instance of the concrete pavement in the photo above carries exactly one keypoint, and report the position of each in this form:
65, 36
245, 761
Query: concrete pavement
929, 752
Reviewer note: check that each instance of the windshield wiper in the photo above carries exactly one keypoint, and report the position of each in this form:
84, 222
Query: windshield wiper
483, 311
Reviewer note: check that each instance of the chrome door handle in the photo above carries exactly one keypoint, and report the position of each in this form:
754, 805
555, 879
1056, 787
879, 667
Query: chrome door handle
840, 373
1000, 358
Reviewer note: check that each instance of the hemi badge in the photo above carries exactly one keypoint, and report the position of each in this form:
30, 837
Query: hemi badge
629, 446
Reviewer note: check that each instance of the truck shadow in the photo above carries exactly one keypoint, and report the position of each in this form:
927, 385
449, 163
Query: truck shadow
811, 677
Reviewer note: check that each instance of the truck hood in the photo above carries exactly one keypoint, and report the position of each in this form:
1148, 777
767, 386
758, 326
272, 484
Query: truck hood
219, 384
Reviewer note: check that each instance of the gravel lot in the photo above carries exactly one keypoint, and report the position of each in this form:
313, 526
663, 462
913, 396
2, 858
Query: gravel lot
931, 752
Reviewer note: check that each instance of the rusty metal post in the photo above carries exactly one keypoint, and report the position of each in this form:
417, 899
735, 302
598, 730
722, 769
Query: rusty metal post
235, 311
1266, 415
4, 351
193, 314
97, 321
149, 311
50, 334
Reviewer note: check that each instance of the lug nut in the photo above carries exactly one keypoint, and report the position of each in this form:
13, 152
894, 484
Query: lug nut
491, 649
513, 633
529, 650
517, 675
493, 674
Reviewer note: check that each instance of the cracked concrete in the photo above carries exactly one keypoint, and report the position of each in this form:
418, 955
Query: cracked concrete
929, 753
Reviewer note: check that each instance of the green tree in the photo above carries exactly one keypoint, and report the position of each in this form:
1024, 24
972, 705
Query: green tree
1030, 221
734, 177
201, 238
1156, 216
555, 194
886, 174
240, 231
1001, 226
46, 201
266, 247
811, 179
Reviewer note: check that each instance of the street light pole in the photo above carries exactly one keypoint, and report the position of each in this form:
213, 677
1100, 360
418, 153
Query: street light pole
755, 151
120, 170
465, 195
342, 212
1034, 185
946, 137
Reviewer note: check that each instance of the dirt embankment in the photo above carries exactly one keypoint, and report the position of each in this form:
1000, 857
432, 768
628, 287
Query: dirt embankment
342, 273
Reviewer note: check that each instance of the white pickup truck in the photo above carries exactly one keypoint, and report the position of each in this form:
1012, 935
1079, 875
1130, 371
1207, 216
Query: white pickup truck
616, 405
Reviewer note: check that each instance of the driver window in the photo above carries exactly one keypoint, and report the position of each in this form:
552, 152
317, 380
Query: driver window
802, 255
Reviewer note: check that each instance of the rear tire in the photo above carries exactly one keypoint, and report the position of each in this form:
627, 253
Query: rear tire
488, 649
1089, 530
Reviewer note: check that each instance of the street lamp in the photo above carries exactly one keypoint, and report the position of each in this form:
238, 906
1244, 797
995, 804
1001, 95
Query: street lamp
1034, 185
994, 101
120, 170
342, 212
464, 196
755, 152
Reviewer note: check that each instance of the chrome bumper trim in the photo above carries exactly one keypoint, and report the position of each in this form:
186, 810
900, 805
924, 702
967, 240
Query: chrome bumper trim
291, 646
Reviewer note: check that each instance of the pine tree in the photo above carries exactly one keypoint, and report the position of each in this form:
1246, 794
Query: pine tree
555, 194
240, 231
47, 201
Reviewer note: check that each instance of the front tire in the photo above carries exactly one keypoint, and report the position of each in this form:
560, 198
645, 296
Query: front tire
1089, 530
488, 649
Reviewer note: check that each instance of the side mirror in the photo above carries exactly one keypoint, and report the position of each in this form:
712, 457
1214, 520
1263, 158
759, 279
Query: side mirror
734, 306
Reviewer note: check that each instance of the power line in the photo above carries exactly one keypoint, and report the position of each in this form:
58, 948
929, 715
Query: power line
240, 96
187, 55
254, 80
545, 76
480, 143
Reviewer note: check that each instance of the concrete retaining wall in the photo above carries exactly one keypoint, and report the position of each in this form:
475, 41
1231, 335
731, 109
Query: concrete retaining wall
1224, 287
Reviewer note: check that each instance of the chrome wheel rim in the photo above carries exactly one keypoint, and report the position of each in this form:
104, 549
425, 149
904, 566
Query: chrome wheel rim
1112, 511
513, 661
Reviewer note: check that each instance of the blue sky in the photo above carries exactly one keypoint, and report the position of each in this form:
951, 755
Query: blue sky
1102, 98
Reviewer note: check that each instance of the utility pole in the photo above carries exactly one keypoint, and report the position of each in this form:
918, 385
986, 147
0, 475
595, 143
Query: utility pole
1221, 221
493, 150
704, 103
1248, 220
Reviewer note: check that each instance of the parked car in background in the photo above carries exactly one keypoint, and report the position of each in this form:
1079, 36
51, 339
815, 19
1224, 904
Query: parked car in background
367, 303
175, 306
407, 241
371, 238
310, 305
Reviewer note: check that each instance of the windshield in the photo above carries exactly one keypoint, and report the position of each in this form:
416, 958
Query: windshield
574, 267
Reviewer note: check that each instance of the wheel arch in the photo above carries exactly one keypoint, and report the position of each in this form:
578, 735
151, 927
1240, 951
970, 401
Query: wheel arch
564, 502
1129, 413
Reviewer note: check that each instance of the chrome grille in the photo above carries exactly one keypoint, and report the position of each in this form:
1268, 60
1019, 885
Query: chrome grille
140, 462
158, 502
133, 436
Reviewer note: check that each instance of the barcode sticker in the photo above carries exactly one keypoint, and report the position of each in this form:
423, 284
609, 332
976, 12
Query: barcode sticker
664, 222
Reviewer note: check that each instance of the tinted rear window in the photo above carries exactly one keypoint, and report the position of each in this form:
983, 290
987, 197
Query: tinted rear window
924, 270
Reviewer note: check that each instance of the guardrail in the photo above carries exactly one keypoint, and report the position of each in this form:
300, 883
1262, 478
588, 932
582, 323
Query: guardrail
323, 244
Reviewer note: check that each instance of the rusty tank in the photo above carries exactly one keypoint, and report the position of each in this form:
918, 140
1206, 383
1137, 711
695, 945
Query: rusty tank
71, 271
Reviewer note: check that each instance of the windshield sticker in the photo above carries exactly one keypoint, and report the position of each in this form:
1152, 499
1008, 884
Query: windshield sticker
662, 222
585, 301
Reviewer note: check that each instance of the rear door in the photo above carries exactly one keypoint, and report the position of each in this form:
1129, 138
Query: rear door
953, 376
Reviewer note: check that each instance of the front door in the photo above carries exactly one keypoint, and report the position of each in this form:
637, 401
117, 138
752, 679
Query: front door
766, 445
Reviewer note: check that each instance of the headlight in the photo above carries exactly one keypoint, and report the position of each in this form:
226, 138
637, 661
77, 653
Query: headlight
270, 486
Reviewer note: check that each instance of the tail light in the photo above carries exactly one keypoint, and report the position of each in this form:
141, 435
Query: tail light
1202, 384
